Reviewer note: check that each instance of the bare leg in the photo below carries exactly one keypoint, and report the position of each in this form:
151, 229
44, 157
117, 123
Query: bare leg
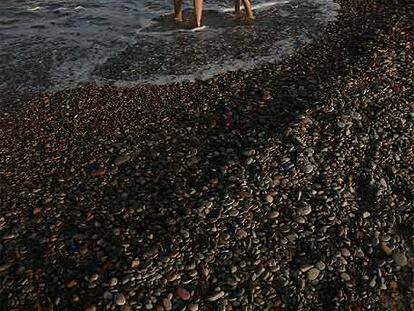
198, 5
178, 10
237, 8
248, 7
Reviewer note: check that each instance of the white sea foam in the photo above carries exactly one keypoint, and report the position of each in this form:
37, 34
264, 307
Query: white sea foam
37, 8
91, 33
259, 6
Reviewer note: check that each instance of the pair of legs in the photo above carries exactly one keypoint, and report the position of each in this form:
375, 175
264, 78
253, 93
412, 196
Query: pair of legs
198, 7
247, 6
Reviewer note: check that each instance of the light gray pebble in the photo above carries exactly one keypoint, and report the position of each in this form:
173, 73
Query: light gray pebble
366, 214
113, 282
320, 265
273, 214
356, 115
312, 274
307, 168
345, 252
345, 276
304, 211
216, 296
120, 299
269, 198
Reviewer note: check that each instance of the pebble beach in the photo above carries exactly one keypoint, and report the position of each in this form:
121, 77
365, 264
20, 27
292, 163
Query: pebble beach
286, 187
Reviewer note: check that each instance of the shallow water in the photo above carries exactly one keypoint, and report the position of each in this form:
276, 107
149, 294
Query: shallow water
56, 44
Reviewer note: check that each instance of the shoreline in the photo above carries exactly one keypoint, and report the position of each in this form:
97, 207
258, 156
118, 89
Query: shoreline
287, 187
147, 57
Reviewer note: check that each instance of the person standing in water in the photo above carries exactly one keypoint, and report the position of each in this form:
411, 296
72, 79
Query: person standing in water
247, 7
198, 9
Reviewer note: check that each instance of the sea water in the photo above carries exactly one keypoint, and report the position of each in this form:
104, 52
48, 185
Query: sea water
57, 44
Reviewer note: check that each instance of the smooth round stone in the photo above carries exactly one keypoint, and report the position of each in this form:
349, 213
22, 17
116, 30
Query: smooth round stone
300, 220
312, 274
216, 296
242, 234
366, 214
269, 198
384, 238
94, 277
120, 299
345, 277
304, 211
135, 264
90, 308
345, 252
400, 259
113, 282
320, 265
307, 168
273, 215
193, 307
183, 294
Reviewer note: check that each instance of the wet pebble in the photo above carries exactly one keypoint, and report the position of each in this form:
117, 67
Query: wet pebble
216, 296
273, 215
183, 294
312, 274
269, 198
345, 276
120, 299
307, 168
304, 211
242, 234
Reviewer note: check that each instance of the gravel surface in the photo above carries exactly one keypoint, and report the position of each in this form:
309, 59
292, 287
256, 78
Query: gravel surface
289, 187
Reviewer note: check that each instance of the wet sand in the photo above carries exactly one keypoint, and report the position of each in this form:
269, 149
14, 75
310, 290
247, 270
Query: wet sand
287, 187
